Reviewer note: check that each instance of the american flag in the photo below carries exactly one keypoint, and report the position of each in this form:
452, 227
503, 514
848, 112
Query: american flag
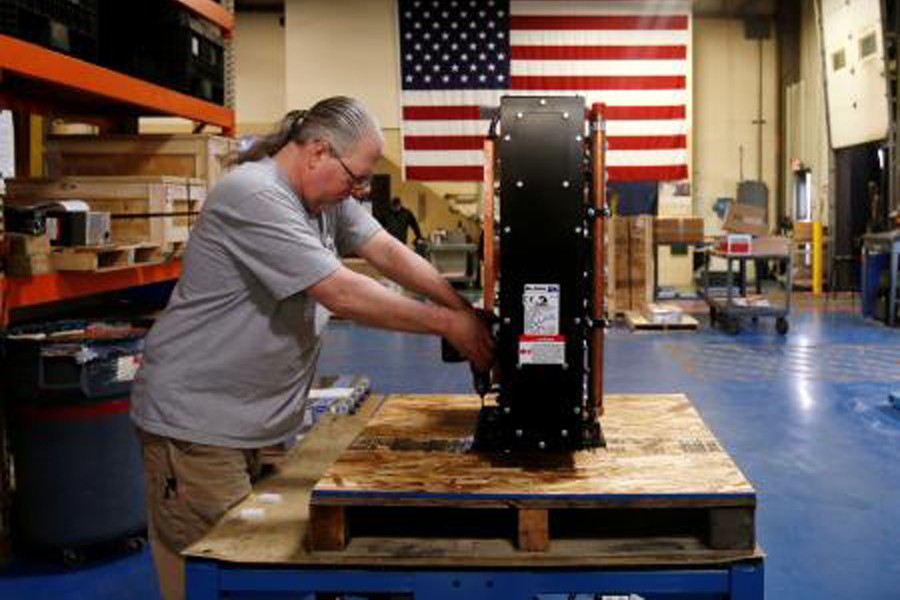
460, 56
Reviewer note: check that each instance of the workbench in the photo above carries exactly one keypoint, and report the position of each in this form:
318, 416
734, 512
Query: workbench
883, 243
661, 461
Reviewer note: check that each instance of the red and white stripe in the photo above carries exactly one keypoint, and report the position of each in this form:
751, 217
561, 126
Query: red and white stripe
632, 55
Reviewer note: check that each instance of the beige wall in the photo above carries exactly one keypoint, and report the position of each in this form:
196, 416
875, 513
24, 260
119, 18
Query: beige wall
349, 47
259, 50
725, 91
343, 47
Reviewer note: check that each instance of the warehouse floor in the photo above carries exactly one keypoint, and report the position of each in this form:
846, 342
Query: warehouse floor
806, 417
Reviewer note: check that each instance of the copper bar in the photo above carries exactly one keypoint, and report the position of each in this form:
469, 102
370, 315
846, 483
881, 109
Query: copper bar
488, 225
598, 153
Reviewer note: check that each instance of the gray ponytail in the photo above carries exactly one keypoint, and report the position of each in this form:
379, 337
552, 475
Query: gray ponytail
340, 121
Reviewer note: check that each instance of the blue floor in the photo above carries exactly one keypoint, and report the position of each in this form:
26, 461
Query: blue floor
806, 417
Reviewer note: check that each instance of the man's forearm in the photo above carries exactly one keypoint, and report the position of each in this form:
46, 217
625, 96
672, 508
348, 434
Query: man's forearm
414, 273
362, 299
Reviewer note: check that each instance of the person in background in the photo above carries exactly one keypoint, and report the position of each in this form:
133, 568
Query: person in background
399, 220
228, 366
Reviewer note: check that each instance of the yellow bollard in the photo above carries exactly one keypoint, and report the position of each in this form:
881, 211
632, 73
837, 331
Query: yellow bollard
817, 258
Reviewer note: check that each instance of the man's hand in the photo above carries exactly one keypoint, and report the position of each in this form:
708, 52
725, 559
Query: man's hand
471, 336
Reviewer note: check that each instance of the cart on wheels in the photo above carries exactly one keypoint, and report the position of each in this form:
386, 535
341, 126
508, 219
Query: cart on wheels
731, 302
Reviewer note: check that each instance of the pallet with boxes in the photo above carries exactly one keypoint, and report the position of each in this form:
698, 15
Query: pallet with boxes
156, 210
149, 220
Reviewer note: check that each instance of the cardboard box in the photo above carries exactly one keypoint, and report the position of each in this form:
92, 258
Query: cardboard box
743, 218
26, 266
21, 244
663, 314
771, 245
629, 263
675, 230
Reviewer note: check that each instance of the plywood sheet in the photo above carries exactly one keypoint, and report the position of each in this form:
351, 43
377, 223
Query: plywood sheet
416, 448
270, 526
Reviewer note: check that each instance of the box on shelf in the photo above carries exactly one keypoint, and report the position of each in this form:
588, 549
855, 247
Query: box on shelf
27, 255
156, 210
743, 218
78, 228
678, 230
28, 265
21, 244
176, 155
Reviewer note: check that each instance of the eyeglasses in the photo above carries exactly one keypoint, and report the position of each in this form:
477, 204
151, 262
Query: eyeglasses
357, 182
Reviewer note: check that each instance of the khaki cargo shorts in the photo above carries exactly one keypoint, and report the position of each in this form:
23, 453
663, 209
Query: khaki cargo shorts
190, 486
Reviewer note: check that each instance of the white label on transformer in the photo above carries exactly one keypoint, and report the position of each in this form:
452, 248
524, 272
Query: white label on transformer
542, 350
541, 309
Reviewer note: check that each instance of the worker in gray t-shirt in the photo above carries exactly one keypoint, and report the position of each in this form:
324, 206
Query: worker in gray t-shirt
228, 365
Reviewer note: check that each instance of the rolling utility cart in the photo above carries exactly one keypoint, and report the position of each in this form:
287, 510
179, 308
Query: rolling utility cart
730, 304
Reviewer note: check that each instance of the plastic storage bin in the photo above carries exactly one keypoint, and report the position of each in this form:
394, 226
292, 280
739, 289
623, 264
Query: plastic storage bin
79, 473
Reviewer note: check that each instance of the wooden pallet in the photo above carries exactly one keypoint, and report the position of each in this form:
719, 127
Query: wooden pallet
410, 477
637, 321
106, 258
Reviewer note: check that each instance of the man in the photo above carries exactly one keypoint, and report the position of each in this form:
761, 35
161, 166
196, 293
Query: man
228, 365
399, 220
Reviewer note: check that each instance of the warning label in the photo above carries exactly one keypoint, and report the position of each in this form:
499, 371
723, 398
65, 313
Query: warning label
541, 304
542, 350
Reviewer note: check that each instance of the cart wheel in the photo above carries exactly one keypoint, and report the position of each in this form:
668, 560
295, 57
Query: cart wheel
72, 557
781, 325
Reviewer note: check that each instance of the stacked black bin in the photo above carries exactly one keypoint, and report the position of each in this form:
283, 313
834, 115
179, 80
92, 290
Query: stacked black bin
161, 42
68, 26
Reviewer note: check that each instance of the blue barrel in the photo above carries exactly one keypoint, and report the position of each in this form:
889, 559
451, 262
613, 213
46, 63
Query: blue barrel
79, 473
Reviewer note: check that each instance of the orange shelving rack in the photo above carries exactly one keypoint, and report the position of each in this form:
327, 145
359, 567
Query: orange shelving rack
36, 80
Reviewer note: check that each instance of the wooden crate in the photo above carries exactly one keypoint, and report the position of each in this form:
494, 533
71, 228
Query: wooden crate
177, 155
629, 263
411, 475
640, 248
674, 230
156, 210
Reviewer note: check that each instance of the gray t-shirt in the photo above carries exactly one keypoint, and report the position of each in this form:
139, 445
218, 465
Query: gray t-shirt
232, 358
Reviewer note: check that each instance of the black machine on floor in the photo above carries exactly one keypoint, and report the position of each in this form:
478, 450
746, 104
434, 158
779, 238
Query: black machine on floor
546, 295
